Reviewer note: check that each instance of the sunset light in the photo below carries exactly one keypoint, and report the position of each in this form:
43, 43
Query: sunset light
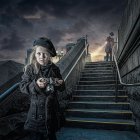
99, 53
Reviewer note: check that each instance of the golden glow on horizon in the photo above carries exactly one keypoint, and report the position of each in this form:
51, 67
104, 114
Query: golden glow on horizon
99, 53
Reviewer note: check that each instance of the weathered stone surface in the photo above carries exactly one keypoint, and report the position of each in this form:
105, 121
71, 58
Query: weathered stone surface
129, 55
12, 122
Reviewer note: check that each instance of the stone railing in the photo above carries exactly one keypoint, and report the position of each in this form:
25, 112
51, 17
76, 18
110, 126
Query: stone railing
128, 24
71, 66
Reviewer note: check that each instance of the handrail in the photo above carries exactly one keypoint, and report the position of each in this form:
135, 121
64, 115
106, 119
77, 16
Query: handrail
75, 63
120, 79
118, 71
8, 92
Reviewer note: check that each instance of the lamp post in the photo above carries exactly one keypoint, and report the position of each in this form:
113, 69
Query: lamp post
56, 54
62, 52
59, 54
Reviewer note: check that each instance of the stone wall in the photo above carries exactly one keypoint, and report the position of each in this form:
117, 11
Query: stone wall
127, 29
65, 65
128, 55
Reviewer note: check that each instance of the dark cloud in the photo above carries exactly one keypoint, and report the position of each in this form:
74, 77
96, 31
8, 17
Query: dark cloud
60, 20
55, 34
12, 43
63, 8
54, 7
2, 56
79, 26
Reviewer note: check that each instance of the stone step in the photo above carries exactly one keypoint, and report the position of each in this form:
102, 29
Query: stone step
94, 123
100, 63
97, 71
99, 113
99, 92
97, 87
96, 82
98, 67
98, 105
97, 78
98, 98
92, 75
94, 102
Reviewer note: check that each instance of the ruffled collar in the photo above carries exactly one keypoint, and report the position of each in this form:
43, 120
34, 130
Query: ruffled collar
43, 67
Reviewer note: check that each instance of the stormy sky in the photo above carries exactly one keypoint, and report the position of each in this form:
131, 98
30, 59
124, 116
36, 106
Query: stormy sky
63, 21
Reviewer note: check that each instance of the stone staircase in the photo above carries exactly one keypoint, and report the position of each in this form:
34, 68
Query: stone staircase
93, 105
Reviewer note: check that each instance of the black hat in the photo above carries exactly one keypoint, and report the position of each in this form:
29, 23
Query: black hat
45, 42
112, 34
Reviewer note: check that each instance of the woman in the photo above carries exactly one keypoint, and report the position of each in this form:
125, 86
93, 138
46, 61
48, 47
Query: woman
41, 81
108, 49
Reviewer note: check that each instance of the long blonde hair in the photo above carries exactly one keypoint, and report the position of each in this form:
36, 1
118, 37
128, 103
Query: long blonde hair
33, 61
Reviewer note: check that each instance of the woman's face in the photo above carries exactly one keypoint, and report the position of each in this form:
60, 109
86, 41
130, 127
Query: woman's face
42, 56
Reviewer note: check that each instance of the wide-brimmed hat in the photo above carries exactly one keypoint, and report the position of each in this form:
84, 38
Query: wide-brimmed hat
45, 42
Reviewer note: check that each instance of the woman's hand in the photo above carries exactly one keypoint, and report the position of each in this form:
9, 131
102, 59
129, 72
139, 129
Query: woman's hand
41, 82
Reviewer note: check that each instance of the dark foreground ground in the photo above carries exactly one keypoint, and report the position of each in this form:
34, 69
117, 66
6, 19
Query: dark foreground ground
90, 134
